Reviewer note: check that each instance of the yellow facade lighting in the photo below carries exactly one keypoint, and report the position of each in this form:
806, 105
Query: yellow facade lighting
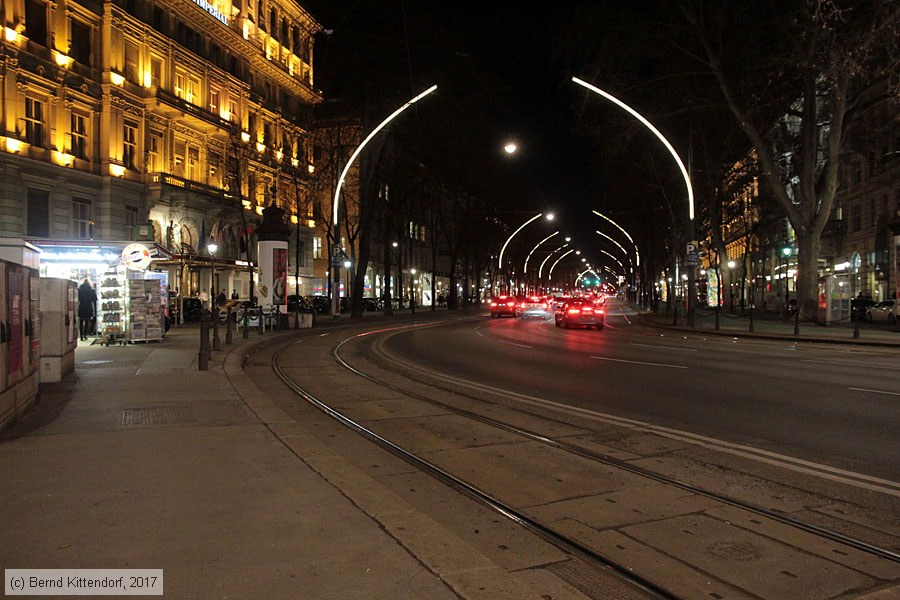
245, 204
245, 137
311, 168
295, 163
279, 155
148, 79
117, 170
294, 219
311, 223
259, 210
116, 79
11, 35
13, 145
260, 147
62, 60
63, 158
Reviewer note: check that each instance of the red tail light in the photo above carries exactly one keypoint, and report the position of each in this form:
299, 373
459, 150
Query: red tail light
574, 311
493, 304
588, 309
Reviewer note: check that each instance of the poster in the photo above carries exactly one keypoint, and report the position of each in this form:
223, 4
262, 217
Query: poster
279, 276
15, 310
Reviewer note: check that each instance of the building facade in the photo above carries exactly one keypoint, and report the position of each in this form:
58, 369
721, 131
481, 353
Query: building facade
172, 122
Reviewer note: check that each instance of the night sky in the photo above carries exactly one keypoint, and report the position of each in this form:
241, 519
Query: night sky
498, 62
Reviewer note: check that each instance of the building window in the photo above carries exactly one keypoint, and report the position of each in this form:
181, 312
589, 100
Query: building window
129, 144
80, 48
186, 87
154, 144
317, 246
232, 111
81, 218
856, 218
38, 223
214, 101
131, 215
34, 122
78, 136
193, 163
132, 55
156, 67
36, 21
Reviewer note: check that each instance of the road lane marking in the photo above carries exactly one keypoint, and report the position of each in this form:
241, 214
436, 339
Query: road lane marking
663, 347
849, 364
875, 391
514, 344
637, 362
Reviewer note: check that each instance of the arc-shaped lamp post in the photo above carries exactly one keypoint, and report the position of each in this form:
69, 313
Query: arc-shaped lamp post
548, 216
335, 264
681, 167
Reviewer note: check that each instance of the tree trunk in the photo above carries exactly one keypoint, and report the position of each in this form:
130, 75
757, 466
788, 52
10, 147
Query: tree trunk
808, 274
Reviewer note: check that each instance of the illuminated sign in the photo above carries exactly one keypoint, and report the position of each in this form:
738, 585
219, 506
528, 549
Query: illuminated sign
136, 257
212, 10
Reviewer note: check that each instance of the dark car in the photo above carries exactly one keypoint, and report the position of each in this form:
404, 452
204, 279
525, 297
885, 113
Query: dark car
320, 304
190, 308
859, 306
503, 305
298, 303
580, 312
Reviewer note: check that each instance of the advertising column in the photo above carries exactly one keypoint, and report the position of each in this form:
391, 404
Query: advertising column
272, 250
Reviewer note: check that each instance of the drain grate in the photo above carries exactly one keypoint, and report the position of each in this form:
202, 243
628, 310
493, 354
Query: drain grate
597, 582
157, 415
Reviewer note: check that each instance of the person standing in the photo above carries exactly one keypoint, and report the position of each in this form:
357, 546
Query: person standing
87, 307
221, 299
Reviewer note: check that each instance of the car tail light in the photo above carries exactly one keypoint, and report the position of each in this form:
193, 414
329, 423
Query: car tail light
493, 304
510, 303
588, 309
574, 311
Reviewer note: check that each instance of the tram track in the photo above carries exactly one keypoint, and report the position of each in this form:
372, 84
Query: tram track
574, 545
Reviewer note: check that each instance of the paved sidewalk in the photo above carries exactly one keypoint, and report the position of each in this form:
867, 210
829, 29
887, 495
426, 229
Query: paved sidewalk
140, 460
772, 327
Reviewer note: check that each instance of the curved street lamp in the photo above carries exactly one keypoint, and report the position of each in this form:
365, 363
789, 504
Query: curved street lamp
649, 125
541, 269
619, 246
550, 272
637, 254
525, 270
549, 217
335, 303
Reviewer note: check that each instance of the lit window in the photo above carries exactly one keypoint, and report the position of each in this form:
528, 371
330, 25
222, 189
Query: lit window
154, 143
193, 163
317, 247
214, 101
81, 218
129, 144
78, 136
34, 122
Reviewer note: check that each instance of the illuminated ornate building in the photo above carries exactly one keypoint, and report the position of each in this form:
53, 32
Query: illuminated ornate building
169, 121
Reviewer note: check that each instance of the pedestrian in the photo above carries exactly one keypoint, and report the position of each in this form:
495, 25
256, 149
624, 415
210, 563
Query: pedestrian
234, 295
87, 308
441, 300
221, 299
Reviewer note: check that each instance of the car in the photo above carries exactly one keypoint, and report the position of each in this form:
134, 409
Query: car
371, 304
532, 306
190, 309
859, 306
886, 310
298, 303
320, 304
503, 305
580, 312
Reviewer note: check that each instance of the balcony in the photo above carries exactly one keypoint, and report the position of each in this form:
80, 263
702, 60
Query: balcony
188, 109
167, 179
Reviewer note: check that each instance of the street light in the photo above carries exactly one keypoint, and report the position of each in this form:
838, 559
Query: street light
731, 265
548, 216
212, 247
335, 302
786, 252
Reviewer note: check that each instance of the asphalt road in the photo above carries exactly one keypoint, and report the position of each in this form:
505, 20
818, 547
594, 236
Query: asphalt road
829, 404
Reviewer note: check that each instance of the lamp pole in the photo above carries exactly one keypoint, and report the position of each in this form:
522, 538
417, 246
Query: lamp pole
340, 183
216, 343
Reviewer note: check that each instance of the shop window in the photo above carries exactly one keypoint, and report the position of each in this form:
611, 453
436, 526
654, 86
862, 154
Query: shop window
131, 217
80, 48
78, 136
34, 122
38, 224
129, 144
36, 21
81, 219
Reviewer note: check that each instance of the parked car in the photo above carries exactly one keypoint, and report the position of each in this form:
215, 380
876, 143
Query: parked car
320, 304
580, 312
859, 307
503, 305
191, 308
885, 311
296, 302
371, 304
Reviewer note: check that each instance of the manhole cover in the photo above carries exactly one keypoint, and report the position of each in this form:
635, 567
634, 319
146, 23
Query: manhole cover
157, 415
732, 551
597, 582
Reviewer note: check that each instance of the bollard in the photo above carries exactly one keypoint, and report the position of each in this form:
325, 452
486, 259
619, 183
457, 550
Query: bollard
751, 320
717, 318
229, 327
856, 329
216, 344
203, 358
797, 322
